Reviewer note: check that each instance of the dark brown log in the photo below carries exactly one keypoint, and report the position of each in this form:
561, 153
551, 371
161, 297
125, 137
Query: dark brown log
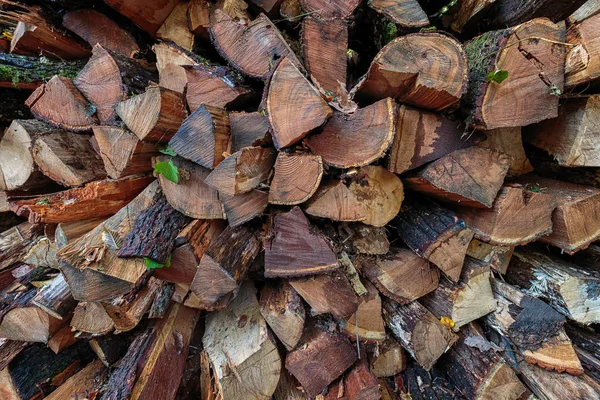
293, 105
55, 298
582, 64
88, 382
358, 384
281, 307
215, 86
295, 248
244, 207
367, 323
91, 318
247, 129
110, 348
555, 386
434, 233
509, 141
477, 176
176, 29
170, 62
420, 384
329, 9
511, 12
16, 242
296, 178
389, 360
498, 257
148, 16
405, 13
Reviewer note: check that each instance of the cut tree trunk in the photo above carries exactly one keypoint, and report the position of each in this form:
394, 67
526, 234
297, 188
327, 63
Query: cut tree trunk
199, 17
244, 207
26, 322
282, 308
215, 86
468, 14
583, 59
148, 16
498, 257
509, 141
247, 129
176, 28
367, 323
296, 178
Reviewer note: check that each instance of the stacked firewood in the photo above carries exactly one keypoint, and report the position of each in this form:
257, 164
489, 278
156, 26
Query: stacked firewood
300, 199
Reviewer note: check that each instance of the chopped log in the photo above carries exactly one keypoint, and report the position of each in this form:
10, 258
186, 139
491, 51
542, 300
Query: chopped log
110, 348
16, 242
405, 13
234, 9
329, 9
570, 137
477, 176
475, 369
62, 339
418, 331
94, 200
161, 301
555, 386
422, 137
336, 201
9, 349
281, 307
535, 74
215, 86
325, 43
91, 318
97, 28
321, 358
359, 139
435, 83
109, 78
242, 171
24, 72
149, 17
573, 227
154, 115
328, 293
88, 382
498, 257
204, 137
224, 266
511, 12
587, 10
42, 254
296, 178
466, 301
294, 248
252, 49
244, 207
199, 17
68, 231
75, 113
55, 298
247, 129
468, 15
518, 216
289, 388
358, 384
370, 240
176, 29
293, 105
567, 286
434, 233
400, 275
28, 323
582, 64
191, 196
68, 158
389, 359
509, 141
170, 62
367, 323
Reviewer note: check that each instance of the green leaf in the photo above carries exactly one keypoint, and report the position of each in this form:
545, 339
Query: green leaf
45, 201
497, 76
168, 170
151, 264
166, 149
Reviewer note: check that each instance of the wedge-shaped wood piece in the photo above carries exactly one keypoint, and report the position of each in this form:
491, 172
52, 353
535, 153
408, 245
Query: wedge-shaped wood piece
94, 200
75, 113
224, 266
329, 9
294, 248
282, 308
154, 115
176, 28
498, 257
422, 137
296, 178
573, 224
400, 71
293, 105
149, 17
244, 207
367, 323
96, 28
55, 298
418, 331
406, 13
555, 386
170, 62
400, 275
336, 201
251, 49
109, 78
509, 141
471, 177
390, 360
90, 317
320, 359
215, 86
328, 293
248, 129
583, 59
358, 139
191, 196
475, 368
359, 383
525, 97
434, 233
242, 171
204, 137
90, 380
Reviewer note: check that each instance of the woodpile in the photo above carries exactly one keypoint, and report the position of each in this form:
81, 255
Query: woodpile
299, 199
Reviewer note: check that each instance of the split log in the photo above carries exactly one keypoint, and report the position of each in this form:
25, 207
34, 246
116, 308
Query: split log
517, 217
374, 197
293, 105
96, 28
252, 49
75, 113
509, 141
242, 171
550, 385
367, 323
9, 349
55, 298
498, 257
42, 254
224, 266
109, 78
89, 382
477, 176
511, 12
400, 275
94, 200
244, 207
369, 240
16, 242
289, 388
68, 231
469, 299
359, 139
294, 248
328, 293
570, 137
405, 13
25, 322
320, 359
329, 9
237, 10
204, 137
24, 72
418, 331
468, 14
176, 29
582, 64
587, 10
191, 196
422, 137
358, 384
296, 178
389, 360
91, 318
247, 129
535, 65
434, 233
170, 62
110, 348
434, 83
199, 17
154, 115
149, 17
281, 307
216, 86
62, 339
573, 227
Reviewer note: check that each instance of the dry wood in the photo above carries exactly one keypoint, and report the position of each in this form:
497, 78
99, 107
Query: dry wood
548, 385
498, 257
405, 13
389, 360
511, 12
468, 14
170, 62
367, 323
329, 9
199, 17
369, 240
148, 16
62, 339
282, 308
176, 29
88, 382
68, 231
16, 242
244, 207
247, 129
91, 318
358, 384
289, 388
296, 178
55, 298
587, 10
215, 86
237, 10
509, 141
